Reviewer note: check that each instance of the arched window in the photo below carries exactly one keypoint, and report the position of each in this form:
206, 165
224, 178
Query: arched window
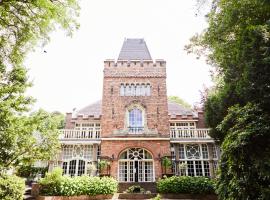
136, 165
135, 120
143, 89
122, 90
138, 89
128, 90
148, 90
76, 159
132, 92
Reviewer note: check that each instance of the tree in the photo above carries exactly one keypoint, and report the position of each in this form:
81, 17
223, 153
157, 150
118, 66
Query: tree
24, 24
28, 139
179, 101
244, 171
237, 44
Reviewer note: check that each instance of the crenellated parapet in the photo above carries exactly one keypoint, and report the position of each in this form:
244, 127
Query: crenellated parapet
135, 68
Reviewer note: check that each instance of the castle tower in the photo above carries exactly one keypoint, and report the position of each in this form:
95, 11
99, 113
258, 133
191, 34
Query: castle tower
134, 127
135, 121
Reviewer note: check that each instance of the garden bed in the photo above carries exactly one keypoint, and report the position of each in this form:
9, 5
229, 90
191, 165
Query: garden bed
190, 196
81, 197
131, 196
136, 196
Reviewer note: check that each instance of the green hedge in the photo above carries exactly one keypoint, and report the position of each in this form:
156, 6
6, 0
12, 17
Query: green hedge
11, 187
186, 184
54, 184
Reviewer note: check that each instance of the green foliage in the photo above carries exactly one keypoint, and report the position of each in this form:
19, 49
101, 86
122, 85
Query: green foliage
24, 23
166, 162
237, 43
186, 185
103, 164
54, 184
158, 197
245, 163
28, 138
179, 101
11, 187
134, 189
29, 171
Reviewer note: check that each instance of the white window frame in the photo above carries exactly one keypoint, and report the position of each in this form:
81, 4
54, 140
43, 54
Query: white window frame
201, 159
144, 123
129, 163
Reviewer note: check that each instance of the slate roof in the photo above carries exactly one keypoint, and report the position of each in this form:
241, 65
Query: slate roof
173, 109
134, 49
92, 110
176, 109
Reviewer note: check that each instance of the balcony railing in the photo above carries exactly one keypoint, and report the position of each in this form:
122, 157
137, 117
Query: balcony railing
135, 130
79, 134
190, 134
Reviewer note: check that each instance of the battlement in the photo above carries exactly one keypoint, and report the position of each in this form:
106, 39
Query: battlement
110, 63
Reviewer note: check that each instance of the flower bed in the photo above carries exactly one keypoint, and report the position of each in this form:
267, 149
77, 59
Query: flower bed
81, 197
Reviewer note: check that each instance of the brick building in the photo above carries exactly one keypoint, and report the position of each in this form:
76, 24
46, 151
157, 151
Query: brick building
134, 129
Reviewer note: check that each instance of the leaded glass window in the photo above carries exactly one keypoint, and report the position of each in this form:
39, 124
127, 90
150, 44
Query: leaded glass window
193, 160
193, 151
135, 120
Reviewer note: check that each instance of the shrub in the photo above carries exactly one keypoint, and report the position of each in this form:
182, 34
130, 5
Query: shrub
54, 184
186, 184
11, 187
135, 189
51, 184
29, 171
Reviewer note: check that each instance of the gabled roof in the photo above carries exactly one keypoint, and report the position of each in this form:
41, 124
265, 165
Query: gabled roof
134, 49
173, 109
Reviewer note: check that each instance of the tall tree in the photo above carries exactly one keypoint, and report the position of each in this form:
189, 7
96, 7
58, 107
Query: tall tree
24, 24
237, 44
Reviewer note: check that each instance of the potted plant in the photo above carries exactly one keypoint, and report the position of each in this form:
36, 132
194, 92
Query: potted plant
104, 164
166, 163
182, 169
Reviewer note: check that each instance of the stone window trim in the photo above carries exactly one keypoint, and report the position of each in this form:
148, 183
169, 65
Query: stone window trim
135, 89
130, 108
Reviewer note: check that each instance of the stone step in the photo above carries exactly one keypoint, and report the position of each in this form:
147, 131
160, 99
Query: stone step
27, 194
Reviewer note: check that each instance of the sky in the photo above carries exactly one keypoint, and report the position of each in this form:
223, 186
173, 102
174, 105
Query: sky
70, 74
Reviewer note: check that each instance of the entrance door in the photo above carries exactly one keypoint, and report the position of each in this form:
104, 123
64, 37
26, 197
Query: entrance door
74, 167
136, 165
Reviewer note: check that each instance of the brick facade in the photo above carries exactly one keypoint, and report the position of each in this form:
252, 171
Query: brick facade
114, 108
168, 128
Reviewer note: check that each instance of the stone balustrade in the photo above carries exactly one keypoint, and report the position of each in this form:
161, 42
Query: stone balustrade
190, 134
174, 134
79, 134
